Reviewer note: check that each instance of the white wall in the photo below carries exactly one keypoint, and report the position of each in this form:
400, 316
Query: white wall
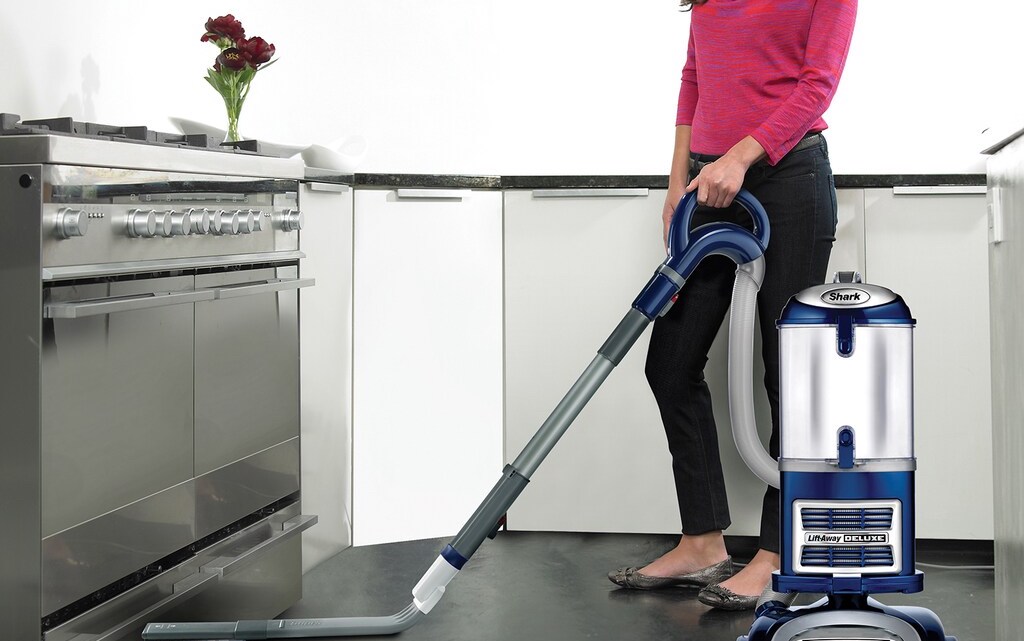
488, 87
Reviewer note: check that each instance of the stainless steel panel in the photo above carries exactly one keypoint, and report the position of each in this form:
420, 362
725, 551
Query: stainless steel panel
872, 391
20, 338
117, 414
107, 239
246, 370
240, 488
87, 557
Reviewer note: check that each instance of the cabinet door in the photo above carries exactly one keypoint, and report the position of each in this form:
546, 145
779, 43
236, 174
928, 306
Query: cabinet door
573, 266
427, 395
933, 250
325, 357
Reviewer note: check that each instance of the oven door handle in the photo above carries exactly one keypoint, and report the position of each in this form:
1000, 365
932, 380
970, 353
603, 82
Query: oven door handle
82, 309
263, 287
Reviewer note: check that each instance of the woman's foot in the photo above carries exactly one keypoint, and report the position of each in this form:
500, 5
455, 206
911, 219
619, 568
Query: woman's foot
691, 554
697, 561
742, 590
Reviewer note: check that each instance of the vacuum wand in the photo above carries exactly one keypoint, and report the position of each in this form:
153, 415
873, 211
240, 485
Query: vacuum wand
686, 249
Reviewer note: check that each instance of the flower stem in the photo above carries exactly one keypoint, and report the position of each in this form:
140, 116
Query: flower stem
234, 97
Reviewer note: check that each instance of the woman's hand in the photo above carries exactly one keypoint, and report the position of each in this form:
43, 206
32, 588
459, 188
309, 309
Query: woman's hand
720, 181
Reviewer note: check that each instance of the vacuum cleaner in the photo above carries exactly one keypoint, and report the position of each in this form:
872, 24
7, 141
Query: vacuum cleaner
847, 468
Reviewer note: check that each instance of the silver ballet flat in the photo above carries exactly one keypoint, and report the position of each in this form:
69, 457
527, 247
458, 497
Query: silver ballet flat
634, 579
725, 599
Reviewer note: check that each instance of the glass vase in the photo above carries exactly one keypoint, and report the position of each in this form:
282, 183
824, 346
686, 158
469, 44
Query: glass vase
233, 103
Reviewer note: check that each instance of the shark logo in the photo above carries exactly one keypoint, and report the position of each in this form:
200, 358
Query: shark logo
845, 296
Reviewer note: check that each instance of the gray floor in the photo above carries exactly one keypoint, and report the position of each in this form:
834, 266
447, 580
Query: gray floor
540, 586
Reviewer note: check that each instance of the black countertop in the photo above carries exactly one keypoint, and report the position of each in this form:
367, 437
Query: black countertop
459, 181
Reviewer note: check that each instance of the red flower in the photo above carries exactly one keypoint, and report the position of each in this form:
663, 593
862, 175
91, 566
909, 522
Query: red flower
230, 58
223, 27
256, 51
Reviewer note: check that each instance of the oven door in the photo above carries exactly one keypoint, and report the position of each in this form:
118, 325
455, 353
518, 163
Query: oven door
117, 414
246, 392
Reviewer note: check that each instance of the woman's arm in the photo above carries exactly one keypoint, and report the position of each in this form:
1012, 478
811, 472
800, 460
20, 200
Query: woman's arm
828, 43
678, 174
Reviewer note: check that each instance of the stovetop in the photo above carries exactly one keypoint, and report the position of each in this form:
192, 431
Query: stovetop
13, 125
66, 141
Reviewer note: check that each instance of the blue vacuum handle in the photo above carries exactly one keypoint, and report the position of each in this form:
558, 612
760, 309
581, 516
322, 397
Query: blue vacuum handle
681, 237
687, 247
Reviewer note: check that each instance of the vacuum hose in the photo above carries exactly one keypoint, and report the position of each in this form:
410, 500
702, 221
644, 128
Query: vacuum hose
741, 372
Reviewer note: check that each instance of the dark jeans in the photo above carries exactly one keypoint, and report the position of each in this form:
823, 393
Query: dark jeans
799, 196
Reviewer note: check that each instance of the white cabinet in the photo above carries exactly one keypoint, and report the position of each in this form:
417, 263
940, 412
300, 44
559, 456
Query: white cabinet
326, 369
427, 394
573, 266
463, 324
931, 247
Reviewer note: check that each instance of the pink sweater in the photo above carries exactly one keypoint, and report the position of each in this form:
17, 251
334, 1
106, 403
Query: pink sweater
762, 68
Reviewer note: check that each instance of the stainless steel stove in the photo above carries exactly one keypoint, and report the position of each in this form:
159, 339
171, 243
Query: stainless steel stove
149, 389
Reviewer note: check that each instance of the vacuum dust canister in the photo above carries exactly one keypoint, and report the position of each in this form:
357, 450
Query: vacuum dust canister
847, 440
847, 374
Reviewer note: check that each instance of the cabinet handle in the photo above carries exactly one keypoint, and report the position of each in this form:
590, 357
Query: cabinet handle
590, 193
432, 194
927, 190
330, 187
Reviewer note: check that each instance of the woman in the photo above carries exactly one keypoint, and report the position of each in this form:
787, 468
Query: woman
759, 74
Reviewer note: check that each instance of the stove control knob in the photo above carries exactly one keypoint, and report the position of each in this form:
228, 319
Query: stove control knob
200, 220
225, 223
142, 223
246, 220
292, 220
257, 223
72, 222
181, 222
163, 223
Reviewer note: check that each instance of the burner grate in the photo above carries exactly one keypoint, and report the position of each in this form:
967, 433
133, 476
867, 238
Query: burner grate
13, 125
